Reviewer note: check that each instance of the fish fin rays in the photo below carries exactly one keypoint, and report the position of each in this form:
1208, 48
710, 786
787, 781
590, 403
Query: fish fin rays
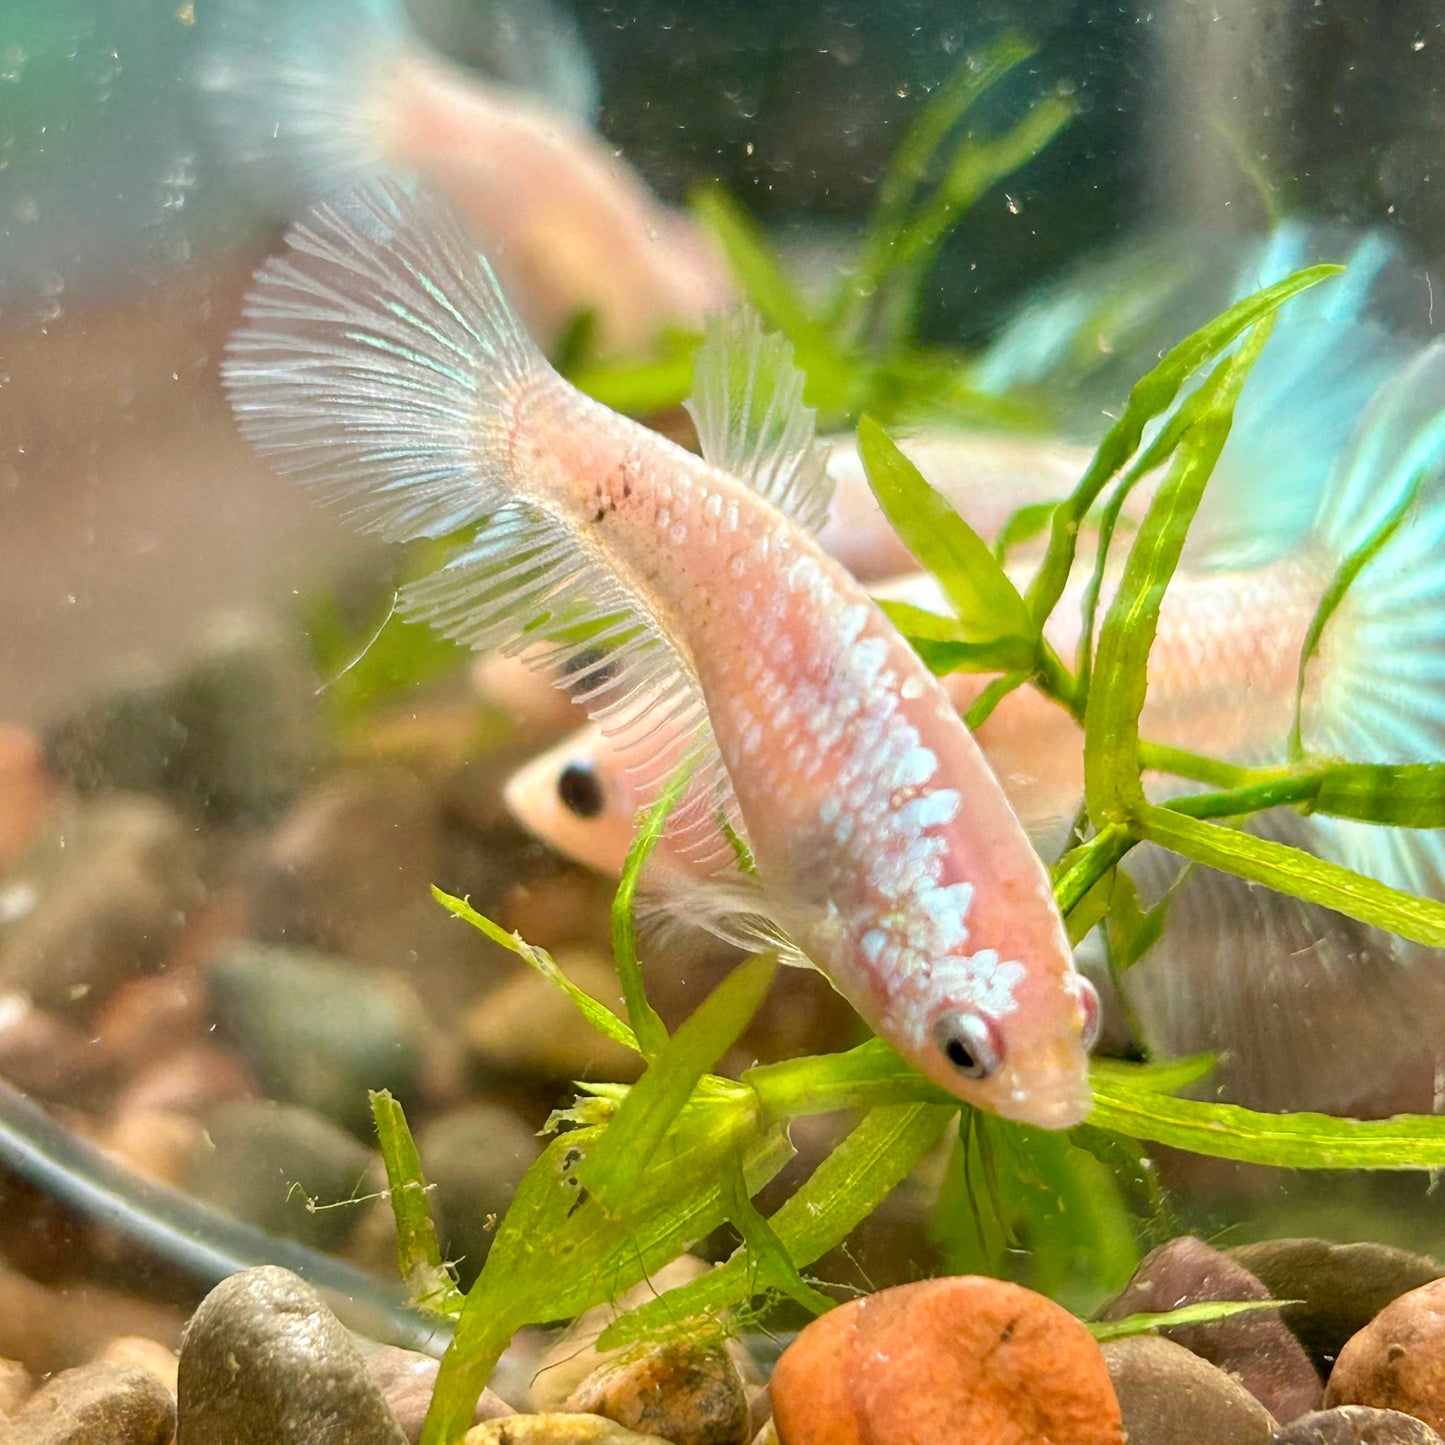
1378, 683
747, 405
378, 362
1239, 969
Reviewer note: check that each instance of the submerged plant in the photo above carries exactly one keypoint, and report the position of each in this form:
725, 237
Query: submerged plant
633, 1175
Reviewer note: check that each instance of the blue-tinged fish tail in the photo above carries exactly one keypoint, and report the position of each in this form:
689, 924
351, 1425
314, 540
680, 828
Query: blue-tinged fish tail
1377, 686
297, 92
1332, 349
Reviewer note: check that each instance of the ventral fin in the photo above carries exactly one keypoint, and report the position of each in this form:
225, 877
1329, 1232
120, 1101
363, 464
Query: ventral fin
747, 404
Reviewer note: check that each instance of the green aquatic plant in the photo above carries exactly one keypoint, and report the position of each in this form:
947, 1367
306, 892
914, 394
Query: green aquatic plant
633, 1175
858, 345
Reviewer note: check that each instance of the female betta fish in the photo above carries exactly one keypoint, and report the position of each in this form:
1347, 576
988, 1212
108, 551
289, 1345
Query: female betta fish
381, 367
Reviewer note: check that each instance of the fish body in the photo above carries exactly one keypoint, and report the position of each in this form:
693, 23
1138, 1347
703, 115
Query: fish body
687, 601
313, 96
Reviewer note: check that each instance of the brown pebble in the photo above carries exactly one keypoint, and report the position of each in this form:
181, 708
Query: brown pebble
49, 1328
49, 1057
556, 1430
963, 1358
143, 1354
1397, 1362
26, 791
1357, 1425
264, 1362
1256, 1347
189, 1079
406, 1379
157, 1143
1340, 1287
96, 1404
691, 1394
1169, 1396
16, 1387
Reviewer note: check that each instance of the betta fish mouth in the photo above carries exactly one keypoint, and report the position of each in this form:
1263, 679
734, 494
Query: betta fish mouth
1054, 1097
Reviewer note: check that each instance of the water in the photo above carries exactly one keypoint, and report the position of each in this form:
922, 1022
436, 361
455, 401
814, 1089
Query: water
229, 776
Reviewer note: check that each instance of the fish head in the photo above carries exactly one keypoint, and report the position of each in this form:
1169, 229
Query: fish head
1003, 1035
577, 799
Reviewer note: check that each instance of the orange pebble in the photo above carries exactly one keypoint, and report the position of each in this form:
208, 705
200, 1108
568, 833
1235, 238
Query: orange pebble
964, 1358
25, 791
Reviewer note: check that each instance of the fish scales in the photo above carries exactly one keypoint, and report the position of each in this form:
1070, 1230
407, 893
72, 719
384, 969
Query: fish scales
886, 852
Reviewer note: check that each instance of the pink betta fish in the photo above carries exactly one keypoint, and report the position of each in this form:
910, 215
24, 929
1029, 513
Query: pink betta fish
381, 368
314, 95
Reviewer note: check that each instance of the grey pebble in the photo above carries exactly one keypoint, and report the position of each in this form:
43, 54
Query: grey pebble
1357, 1425
474, 1157
1257, 1347
1169, 1396
107, 888
266, 1160
264, 1362
95, 1404
317, 1031
406, 1380
232, 734
1342, 1287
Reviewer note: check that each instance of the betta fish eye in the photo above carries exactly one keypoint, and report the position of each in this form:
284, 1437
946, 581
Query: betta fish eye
580, 790
971, 1042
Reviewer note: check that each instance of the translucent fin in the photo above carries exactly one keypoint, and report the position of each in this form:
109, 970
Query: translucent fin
1380, 694
380, 367
1308, 1009
300, 92
532, 45
1332, 349
747, 403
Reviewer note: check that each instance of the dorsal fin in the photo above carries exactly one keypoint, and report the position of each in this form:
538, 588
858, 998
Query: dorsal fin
747, 404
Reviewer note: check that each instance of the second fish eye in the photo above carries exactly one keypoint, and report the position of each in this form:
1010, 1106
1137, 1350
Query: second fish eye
970, 1042
580, 790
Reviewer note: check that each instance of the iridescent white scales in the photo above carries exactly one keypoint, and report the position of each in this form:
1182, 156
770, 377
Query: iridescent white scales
879, 848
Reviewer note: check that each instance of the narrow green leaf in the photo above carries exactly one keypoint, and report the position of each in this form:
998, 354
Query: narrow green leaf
769, 1263
988, 605
1023, 526
1151, 395
1288, 1141
626, 1150
428, 1281
558, 1252
909, 164
1291, 870
596, 1013
1112, 770
1158, 1076
1404, 795
1205, 1313
841, 1192
651, 1031
975, 168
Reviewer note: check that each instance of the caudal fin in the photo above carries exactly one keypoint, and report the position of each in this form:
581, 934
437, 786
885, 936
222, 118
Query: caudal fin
1378, 684
302, 92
